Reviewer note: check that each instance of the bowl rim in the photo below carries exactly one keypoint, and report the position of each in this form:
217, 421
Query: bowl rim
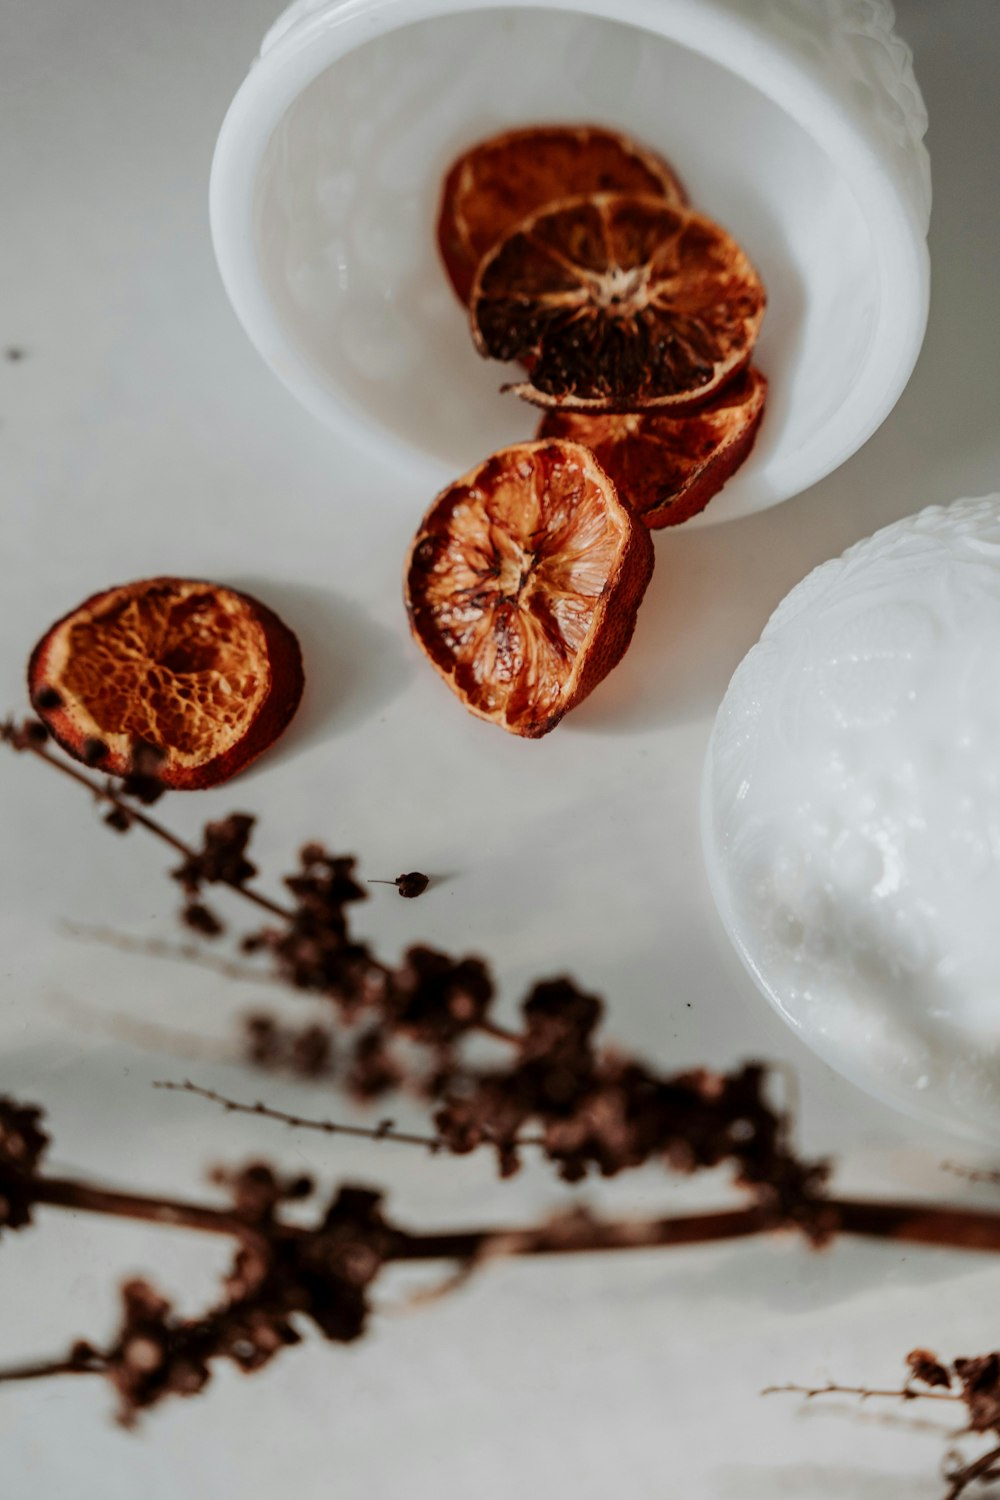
307, 41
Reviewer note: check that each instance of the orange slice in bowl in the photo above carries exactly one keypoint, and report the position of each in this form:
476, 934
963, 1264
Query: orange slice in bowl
669, 467
523, 583
618, 302
500, 181
208, 676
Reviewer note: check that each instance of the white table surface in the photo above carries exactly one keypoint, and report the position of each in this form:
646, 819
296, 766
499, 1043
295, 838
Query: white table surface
141, 434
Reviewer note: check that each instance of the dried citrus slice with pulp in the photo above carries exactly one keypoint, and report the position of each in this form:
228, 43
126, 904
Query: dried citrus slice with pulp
208, 676
498, 182
523, 583
618, 302
668, 467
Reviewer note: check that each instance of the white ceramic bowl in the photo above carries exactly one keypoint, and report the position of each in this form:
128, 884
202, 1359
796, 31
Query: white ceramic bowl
852, 814
796, 123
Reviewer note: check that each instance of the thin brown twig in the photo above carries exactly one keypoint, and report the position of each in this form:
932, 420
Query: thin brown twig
903, 1393
586, 1236
172, 1213
970, 1230
918, 1223
385, 1131
580, 1234
106, 793
43, 1369
980, 1469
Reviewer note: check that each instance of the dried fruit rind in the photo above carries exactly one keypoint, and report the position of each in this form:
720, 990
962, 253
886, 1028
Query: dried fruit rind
208, 675
523, 583
668, 467
496, 183
618, 302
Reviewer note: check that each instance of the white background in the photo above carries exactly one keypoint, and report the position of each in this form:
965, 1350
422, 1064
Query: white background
142, 435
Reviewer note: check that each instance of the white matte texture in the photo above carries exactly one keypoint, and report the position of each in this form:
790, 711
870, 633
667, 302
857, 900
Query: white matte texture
853, 812
141, 433
799, 127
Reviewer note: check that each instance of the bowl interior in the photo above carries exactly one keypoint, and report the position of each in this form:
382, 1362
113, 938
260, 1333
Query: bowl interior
346, 202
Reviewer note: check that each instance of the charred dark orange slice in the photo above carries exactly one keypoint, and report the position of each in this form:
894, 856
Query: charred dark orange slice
208, 676
500, 181
524, 581
669, 467
618, 302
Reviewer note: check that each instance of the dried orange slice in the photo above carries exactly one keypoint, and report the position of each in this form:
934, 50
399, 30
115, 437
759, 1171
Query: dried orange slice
523, 583
497, 183
669, 467
208, 676
618, 302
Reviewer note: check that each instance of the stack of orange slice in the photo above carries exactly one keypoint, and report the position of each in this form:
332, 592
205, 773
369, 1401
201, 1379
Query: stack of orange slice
633, 319
579, 256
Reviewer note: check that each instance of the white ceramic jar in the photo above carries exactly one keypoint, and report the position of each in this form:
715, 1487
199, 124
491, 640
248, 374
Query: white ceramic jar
852, 813
796, 123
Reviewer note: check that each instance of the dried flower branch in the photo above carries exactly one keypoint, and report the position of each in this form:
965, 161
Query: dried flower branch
590, 1110
284, 1271
31, 735
585, 1108
972, 1383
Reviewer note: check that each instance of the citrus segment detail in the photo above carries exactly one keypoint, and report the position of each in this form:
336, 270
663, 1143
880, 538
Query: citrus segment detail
498, 182
668, 467
206, 675
618, 302
523, 583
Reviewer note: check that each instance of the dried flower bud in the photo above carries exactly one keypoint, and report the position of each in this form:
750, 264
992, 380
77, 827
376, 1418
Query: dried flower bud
257, 1190
927, 1369
200, 919
222, 857
435, 998
143, 781
410, 885
311, 1052
373, 1070
980, 1381
22, 1145
24, 734
559, 1018
306, 1051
